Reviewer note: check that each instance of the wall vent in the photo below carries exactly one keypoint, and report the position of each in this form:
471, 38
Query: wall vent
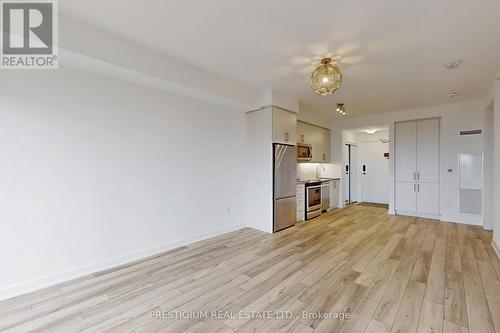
471, 201
471, 132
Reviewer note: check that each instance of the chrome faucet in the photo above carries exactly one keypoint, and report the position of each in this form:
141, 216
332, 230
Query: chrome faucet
318, 170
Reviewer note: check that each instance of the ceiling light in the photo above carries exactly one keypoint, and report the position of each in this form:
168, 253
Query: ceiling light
452, 94
341, 109
371, 131
326, 78
453, 64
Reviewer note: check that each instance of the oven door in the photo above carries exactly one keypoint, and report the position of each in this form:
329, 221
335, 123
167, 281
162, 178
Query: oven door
304, 152
313, 198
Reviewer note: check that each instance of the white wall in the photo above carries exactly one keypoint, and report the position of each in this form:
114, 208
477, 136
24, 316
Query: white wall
259, 170
496, 144
454, 117
94, 172
488, 167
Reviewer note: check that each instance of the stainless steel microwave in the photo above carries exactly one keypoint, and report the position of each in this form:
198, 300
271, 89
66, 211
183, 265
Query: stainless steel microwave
304, 152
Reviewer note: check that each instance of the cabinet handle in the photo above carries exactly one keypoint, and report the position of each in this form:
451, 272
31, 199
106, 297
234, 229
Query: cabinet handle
414, 176
302, 137
286, 136
414, 187
418, 175
324, 157
418, 187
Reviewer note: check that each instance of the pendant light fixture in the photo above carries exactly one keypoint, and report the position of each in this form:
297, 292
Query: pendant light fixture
326, 78
341, 109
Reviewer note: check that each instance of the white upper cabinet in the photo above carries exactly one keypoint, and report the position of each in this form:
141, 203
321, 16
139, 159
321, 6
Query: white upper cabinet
303, 132
318, 138
405, 151
428, 150
325, 156
284, 126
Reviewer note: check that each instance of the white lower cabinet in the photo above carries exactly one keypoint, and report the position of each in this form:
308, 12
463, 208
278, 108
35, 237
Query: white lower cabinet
334, 193
406, 198
301, 203
417, 198
428, 199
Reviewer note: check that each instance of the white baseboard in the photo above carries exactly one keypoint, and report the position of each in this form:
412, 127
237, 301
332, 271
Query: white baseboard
495, 248
423, 216
49, 281
470, 220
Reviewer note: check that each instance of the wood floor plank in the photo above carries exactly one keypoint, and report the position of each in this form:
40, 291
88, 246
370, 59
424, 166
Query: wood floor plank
382, 280
360, 318
431, 318
409, 311
490, 280
478, 311
436, 280
455, 309
450, 327
376, 326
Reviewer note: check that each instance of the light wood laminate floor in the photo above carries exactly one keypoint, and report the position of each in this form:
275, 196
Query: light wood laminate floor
391, 274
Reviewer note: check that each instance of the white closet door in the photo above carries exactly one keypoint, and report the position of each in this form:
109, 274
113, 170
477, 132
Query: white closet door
428, 150
406, 197
428, 198
406, 150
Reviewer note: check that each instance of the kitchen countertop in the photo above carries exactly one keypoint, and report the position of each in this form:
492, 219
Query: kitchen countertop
315, 180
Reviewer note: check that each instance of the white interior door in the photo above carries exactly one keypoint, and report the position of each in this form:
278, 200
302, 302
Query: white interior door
428, 150
375, 177
351, 173
428, 198
354, 174
346, 174
406, 198
405, 148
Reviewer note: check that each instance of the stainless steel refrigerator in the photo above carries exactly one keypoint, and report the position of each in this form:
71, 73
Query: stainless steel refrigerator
285, 180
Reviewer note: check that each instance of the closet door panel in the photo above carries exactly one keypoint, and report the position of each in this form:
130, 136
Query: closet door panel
405, 148
428, 198
406, 197
428, 150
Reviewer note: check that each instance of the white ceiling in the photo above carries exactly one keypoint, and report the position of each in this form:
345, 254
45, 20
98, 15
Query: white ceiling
392, 51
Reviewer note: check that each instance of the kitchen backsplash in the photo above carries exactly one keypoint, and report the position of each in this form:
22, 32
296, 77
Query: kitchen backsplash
308, 170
